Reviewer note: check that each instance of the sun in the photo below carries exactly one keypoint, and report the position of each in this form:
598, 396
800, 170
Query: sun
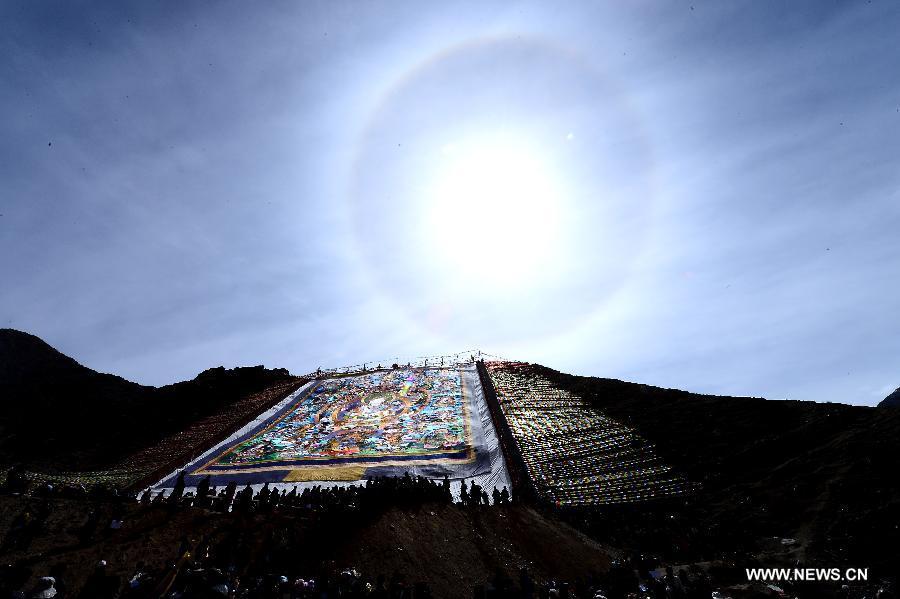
494, 208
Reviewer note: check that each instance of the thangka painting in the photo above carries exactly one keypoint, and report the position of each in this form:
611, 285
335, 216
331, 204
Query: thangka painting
386, 418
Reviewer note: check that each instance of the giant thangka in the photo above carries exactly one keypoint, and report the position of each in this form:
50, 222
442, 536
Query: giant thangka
431, 422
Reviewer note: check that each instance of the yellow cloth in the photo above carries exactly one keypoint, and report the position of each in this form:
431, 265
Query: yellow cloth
299, 475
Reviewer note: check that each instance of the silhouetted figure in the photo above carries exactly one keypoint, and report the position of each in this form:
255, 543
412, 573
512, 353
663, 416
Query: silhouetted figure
87, 529
244, 500
274, 499
228, 497
16, 482
203, 491
526, 584
263, 496
178, 491
45, 588
475, 494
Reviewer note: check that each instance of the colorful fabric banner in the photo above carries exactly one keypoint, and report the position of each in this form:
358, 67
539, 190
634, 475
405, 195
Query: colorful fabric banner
431, 422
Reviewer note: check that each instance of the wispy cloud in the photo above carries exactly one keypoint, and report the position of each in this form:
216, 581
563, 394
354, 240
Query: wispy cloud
182, 187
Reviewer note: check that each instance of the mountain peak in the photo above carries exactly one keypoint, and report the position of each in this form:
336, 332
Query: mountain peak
25, 357
892, 400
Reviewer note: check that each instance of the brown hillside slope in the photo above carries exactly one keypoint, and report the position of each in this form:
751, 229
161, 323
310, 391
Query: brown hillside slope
448, 547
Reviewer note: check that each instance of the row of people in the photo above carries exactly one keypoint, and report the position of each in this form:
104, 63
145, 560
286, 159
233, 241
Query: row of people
376, 493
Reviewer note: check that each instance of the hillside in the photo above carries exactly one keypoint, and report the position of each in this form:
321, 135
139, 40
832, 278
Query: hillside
61, 415
816, 472
892, 400
775, 481
449, 548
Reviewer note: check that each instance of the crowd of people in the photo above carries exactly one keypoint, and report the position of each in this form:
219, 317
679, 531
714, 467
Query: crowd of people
196, 573
234, 560
376, 494
218, 567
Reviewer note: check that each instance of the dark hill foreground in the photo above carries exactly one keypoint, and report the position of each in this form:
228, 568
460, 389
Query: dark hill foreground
446, 547
59, 415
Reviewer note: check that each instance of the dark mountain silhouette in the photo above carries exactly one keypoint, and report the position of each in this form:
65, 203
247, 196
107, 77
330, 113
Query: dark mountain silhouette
27, 363
59, 413
892, 400
818, 472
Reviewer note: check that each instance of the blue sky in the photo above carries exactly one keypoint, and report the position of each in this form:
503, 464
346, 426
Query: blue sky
687, 194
